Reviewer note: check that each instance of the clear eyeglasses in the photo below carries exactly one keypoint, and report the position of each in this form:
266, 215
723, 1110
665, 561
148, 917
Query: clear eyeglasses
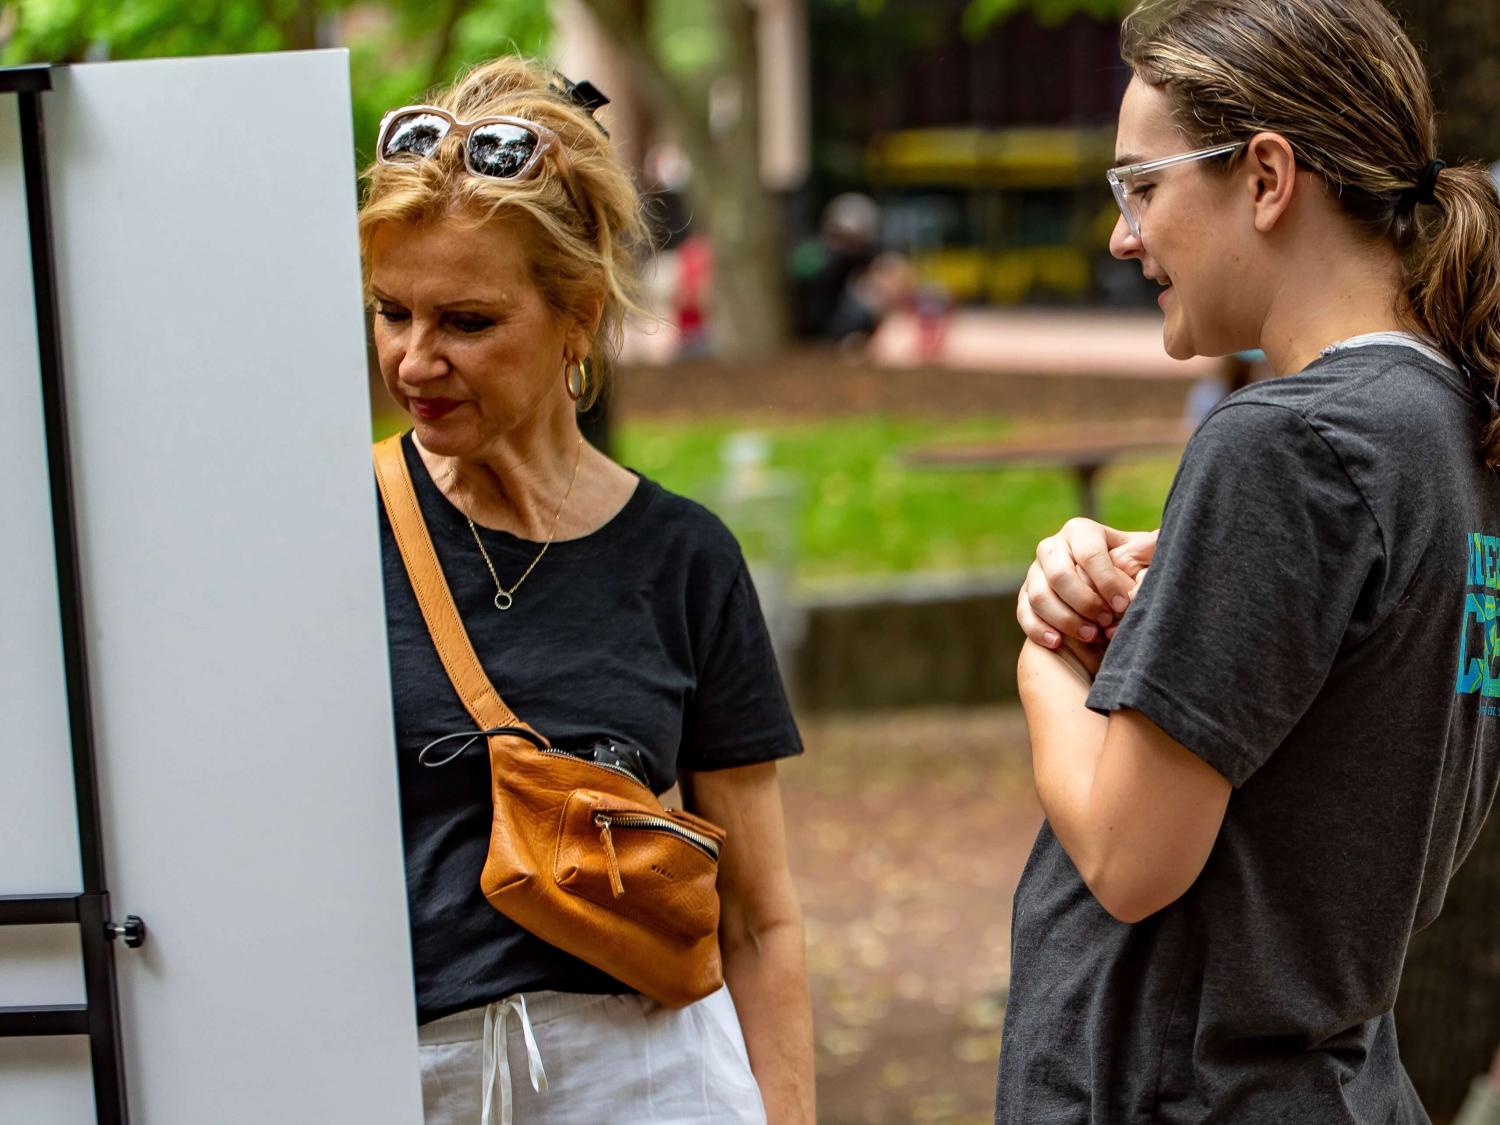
1124, 181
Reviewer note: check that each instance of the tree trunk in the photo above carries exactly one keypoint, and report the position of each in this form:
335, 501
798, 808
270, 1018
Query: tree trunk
748, 313
296, 24
1448, 1012
438, 72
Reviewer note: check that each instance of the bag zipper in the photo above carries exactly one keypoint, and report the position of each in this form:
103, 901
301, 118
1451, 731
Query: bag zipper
621, 770
705, 844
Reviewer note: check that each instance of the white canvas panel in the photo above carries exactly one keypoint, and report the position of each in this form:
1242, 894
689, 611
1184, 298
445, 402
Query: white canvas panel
46, 1081
40, 853
38, 965
215, 351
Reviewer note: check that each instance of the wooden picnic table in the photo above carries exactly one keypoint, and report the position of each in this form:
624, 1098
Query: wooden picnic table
1085, 449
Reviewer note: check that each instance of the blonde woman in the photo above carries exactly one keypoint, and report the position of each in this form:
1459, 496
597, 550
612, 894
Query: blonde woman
499, 259
1293, 737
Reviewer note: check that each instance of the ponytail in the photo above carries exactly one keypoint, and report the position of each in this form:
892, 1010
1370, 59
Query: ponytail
1452, 282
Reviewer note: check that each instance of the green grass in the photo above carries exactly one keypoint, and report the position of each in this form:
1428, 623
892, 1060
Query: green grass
859, 510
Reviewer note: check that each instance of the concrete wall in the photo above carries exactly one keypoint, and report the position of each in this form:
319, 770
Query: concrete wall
920, 643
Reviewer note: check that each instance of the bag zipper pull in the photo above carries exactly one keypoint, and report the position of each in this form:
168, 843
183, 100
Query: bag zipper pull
616, 884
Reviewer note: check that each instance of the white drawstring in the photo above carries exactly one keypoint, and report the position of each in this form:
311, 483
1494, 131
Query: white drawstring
497, 1058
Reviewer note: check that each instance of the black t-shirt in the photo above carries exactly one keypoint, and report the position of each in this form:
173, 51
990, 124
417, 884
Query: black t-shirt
1314, 627
646, 633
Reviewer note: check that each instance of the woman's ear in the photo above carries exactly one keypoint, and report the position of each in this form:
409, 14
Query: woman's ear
1270, 173
580, 338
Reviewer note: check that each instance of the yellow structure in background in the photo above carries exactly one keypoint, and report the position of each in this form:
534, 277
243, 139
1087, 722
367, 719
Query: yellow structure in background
1015, 158
1007, 277
995, 171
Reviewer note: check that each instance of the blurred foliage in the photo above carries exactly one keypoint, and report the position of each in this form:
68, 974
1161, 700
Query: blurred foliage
397, 48
861, 510
1460, 42
864, 512
982, 16
400, 47
687, 38
73, 30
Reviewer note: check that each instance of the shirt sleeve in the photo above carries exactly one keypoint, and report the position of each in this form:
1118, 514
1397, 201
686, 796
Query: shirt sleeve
738, 714
1265, 548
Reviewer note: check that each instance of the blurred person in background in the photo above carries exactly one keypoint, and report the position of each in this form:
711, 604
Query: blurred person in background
889, 283
499, 259
681, 267
1237, 370
843, 283
848, 241
1259, 791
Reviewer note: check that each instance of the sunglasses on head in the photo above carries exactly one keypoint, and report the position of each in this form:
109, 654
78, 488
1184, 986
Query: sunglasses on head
498, 148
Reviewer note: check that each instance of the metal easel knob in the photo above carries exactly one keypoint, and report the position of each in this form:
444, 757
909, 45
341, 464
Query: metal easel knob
132, 930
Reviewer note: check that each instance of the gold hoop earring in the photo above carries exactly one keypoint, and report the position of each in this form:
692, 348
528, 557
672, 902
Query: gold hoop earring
581, 388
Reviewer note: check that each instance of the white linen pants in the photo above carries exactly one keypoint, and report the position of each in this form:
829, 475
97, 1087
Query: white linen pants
554, 1058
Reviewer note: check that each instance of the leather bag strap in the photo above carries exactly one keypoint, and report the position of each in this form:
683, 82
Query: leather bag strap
450, 638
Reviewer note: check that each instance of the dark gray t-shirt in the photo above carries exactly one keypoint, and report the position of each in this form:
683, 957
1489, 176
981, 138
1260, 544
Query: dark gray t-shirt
1319, 626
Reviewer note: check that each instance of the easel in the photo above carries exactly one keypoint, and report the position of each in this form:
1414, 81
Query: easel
99, 1017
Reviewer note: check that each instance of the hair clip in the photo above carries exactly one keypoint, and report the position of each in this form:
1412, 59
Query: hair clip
585, 95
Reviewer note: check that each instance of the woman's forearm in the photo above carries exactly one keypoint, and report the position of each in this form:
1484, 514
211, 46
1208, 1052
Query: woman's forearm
760, 934
767, 975
1135, 810
1066, 741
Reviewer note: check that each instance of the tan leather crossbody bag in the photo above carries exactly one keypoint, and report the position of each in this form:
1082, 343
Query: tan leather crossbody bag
581, 854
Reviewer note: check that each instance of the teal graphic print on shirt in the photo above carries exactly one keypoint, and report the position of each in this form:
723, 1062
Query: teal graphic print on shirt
1479, 640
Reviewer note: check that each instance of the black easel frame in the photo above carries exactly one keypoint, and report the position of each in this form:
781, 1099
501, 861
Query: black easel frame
99, 1016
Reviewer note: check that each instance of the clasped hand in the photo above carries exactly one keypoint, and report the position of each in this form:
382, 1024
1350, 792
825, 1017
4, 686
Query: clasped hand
1080, 585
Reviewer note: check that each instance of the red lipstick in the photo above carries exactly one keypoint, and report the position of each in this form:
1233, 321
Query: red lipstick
431, 409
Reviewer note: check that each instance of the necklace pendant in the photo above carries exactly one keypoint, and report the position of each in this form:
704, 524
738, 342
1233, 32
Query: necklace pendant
503, 601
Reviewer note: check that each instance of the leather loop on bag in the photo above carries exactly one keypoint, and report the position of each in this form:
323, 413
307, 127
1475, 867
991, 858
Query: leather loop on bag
581, 855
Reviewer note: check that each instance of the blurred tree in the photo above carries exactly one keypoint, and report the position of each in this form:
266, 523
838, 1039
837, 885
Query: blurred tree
397, 48
1448, 1009
697, 66
982, 16
1462, 46
695, 63
1461, 43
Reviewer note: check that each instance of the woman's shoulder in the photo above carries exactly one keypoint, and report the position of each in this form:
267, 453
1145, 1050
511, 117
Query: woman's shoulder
1268, 439
1360, 394
1378, 432
1375, 382
676, 523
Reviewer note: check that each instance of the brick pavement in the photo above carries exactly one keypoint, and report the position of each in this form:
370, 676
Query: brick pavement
908, 831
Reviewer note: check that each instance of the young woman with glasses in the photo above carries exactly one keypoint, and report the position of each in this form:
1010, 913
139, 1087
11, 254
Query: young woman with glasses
1260, 789
500, 236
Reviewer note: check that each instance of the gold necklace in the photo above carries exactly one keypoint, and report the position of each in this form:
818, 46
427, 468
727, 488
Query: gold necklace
504, 598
